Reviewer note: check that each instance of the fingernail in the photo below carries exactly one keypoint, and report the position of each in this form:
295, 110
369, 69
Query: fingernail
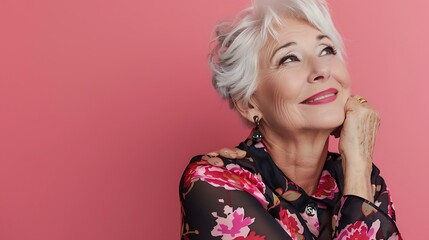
213, 154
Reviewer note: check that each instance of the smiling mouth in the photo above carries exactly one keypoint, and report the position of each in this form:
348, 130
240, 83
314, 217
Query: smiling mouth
326, 96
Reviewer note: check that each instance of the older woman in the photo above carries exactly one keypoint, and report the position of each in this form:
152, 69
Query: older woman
281, 66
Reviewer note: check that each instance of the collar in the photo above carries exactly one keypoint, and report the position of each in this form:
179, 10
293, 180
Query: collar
328, 190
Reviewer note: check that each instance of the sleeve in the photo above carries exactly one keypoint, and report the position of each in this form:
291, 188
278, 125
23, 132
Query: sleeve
218, 208
358, 218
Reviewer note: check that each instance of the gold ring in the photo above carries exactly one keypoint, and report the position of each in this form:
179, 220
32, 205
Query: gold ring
362, 100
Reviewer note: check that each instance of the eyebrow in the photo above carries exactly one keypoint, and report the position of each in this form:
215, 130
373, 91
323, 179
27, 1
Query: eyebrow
319, 37
322, 36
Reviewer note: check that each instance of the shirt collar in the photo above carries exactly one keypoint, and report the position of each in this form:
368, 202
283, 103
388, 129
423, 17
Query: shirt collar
327, 190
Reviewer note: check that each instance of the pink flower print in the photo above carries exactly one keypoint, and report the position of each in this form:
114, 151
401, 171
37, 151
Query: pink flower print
230, 177
291, 224
327, 187
252, 236
191, 172
233, 225
336, 218
260, 145
377, 203
359, 230
312, 223
234, 178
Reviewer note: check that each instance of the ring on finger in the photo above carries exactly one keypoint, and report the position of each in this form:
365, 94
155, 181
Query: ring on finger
362, 100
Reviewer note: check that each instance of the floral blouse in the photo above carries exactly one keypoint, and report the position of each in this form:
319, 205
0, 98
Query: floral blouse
251, 198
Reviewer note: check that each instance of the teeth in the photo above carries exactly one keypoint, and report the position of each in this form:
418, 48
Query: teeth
321, 97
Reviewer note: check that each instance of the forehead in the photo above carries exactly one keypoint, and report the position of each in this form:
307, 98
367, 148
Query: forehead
292, 30
289, 30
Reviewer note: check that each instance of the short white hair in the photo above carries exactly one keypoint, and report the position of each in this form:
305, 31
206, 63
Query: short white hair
234, 57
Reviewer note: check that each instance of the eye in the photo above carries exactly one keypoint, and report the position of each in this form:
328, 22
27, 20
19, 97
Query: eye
288, 59
329, 50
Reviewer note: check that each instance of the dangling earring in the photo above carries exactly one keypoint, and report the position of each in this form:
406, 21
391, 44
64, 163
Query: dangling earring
257, 136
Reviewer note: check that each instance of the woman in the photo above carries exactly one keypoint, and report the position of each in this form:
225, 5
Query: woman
280, 65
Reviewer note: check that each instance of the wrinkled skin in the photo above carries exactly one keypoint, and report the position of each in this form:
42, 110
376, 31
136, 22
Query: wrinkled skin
357, 139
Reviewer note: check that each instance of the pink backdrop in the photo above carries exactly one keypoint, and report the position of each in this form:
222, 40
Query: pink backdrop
102, 104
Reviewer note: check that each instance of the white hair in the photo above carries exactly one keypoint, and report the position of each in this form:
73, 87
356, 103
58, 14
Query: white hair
234, 57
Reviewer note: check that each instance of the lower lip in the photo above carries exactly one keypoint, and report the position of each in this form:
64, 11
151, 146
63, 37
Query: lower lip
323, 101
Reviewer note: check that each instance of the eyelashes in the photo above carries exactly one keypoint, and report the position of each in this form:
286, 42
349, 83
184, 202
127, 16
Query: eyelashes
328, 50
288, 59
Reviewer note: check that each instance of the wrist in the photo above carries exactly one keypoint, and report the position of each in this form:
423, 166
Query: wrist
356, 164
362, 189
358, 183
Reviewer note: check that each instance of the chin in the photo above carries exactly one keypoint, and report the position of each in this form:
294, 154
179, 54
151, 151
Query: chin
330, 121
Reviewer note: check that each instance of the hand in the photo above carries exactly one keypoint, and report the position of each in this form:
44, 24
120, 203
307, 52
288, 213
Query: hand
356, 145
233, 153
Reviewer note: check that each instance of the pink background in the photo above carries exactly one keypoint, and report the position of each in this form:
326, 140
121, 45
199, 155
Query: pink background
103, 103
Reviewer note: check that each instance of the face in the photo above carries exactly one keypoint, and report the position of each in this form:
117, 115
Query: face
303, 83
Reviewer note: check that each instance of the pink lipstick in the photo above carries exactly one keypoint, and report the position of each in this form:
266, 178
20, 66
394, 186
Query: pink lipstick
322, 97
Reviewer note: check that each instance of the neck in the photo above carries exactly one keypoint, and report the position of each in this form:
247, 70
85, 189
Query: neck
300, 158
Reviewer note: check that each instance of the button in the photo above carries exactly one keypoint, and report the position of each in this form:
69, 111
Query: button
310, 210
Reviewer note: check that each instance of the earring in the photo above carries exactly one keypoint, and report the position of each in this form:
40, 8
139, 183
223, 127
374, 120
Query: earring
257, 136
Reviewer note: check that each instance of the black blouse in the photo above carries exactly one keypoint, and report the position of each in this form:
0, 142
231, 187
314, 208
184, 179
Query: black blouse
251, 198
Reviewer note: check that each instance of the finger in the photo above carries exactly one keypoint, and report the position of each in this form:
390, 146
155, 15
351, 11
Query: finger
240, 153
350, 105
228, 153
361, 100
354, 103
213, 154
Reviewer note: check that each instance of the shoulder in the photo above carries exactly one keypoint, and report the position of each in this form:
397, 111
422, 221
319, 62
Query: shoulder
231, 174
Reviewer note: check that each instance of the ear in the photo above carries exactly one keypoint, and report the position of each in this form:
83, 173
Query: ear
248, 110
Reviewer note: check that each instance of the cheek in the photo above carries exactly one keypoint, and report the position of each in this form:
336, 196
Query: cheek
279, 104
276, 91
343, 78
346, 90
346, 95
342, 75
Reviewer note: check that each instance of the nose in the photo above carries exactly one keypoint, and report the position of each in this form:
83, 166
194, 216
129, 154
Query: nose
319, 71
